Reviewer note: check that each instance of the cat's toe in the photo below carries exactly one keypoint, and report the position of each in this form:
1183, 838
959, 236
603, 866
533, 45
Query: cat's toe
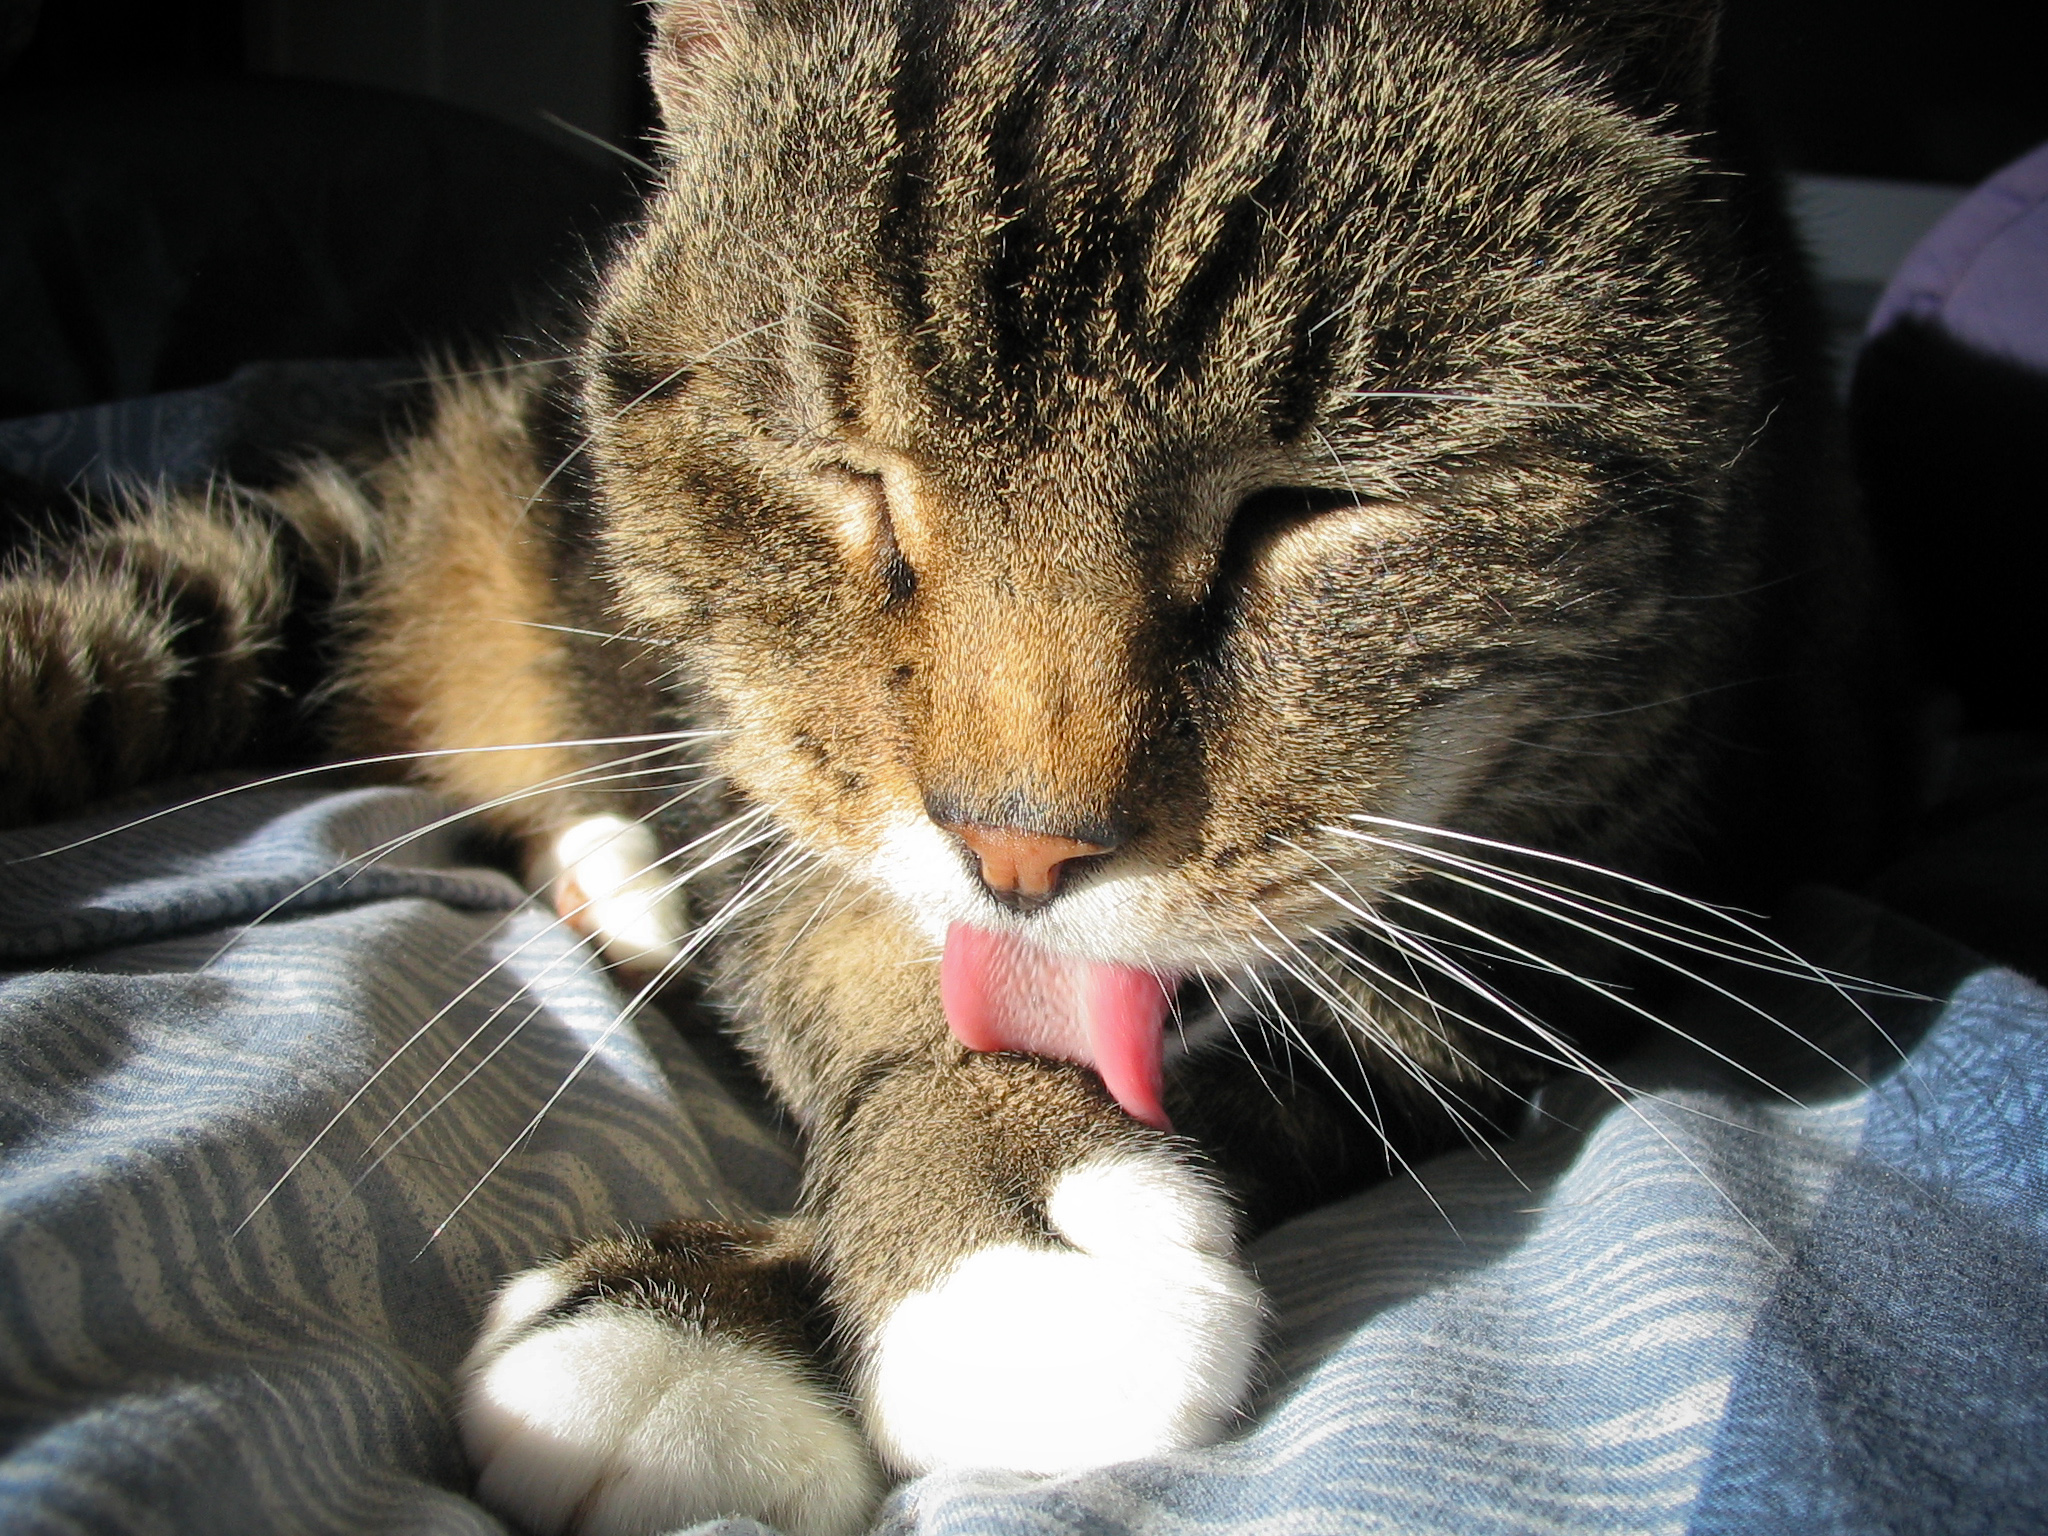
618, 1420
1138, 1338
611, 884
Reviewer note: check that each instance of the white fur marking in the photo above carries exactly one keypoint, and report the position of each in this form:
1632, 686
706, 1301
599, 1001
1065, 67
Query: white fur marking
1140, 1341
1126, 916
607, 885
915, 860
623, 1422
519, 1301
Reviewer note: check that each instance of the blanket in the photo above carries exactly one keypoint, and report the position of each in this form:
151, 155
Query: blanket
287, 1084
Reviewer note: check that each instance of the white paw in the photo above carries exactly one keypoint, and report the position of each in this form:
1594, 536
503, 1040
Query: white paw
620, 1421
607, 881
1138, 1340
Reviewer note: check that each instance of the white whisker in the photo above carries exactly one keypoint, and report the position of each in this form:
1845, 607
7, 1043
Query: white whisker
575, 778
1372, 1115
1624, 1096
392, 1060
1598, 988
747, 896
1648, 924
1230, 1028
1553, 914
1351, 1016
1731, 916
382, 760
589, 634
651, 390
598, 140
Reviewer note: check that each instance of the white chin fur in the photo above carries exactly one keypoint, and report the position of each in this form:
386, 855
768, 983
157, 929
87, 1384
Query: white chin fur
1139, 1340
606, 881
624, 1422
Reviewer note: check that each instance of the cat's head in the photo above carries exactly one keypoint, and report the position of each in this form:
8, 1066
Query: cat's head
1102, 448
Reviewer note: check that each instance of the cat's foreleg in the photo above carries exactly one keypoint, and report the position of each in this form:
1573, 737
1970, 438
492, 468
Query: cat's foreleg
1016, 1274
1027, 1277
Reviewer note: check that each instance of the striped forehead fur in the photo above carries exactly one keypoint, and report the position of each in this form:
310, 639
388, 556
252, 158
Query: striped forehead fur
1329, 199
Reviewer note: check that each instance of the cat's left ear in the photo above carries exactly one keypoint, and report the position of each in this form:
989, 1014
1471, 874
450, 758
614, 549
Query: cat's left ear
1659, 53
691, 39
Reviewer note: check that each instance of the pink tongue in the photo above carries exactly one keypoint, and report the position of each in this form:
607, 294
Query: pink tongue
1002, 994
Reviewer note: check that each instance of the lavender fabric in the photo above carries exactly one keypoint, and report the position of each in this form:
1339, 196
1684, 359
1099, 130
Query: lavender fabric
1981, 274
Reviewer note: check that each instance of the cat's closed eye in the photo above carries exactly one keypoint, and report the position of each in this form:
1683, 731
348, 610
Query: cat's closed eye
1290, 526
867, 530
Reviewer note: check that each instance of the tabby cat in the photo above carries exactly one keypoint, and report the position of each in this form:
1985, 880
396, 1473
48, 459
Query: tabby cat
1182, 535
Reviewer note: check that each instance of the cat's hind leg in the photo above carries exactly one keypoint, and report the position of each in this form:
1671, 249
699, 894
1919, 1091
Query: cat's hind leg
647, 1383
140, 647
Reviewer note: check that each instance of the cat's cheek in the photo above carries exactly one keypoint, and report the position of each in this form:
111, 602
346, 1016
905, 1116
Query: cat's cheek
618, 1421
1140, 1338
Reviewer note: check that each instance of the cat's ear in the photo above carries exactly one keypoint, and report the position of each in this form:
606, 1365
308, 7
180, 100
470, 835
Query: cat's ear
1659, 53
691, 38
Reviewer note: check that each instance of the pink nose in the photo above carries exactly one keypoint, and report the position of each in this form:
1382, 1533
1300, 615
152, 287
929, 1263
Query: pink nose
1021, 868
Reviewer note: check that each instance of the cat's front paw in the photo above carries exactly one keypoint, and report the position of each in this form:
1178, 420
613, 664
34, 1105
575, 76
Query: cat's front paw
1137, 1338
615, 1419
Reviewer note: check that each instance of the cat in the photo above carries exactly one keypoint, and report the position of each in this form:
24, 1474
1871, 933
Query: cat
1178, 539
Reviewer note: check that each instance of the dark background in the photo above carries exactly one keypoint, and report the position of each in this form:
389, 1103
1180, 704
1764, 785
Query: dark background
1920, 92
191, 183
186, 184
1844, 87
515, 59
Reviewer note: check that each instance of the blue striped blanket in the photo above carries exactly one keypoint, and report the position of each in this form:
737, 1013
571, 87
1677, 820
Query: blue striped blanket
277, 1116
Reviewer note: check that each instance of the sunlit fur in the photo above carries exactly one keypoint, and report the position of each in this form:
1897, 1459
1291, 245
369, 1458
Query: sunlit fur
954, 411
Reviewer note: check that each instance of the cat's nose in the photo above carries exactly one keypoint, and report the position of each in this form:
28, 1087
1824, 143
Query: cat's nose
1022, 870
